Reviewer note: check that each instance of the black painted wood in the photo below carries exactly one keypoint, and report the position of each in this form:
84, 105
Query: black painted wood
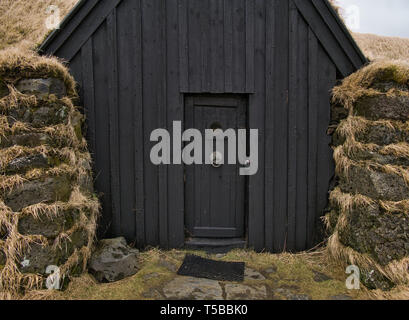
136, 62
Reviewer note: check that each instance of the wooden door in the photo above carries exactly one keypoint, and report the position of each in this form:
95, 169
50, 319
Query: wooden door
215, 195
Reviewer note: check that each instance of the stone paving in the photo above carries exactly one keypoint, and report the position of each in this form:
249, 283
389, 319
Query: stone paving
253, 288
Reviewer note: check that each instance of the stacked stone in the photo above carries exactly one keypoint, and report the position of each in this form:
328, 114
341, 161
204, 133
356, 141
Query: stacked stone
48, 210
369, 217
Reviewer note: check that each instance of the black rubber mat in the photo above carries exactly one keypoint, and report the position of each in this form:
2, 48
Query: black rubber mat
198, 267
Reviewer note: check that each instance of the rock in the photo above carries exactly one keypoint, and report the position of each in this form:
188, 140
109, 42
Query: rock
37, 258
3, 259
250, 274
4, 91
220, 255
42, 88
374, 184
150, 276
44, 114
242, 292
367, 155
370, 230
113, 260
24, 164
168, 265
153, 294
46, 190
48, 227
188, 288
341, 297
271, 270
383, 106
289, 295
374, 280
28, 140
385, 86
381, 134
320, 277
338, 113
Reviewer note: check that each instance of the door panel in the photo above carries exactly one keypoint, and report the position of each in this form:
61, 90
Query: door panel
215, 196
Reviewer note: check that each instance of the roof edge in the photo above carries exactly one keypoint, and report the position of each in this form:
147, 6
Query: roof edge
43, 47
346, 31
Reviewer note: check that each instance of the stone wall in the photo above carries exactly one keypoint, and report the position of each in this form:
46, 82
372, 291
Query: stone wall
48, 210
369, 209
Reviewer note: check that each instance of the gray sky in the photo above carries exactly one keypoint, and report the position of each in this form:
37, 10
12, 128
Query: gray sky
383, 17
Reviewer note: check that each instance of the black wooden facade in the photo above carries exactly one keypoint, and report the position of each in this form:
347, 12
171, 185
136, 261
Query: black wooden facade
137, 62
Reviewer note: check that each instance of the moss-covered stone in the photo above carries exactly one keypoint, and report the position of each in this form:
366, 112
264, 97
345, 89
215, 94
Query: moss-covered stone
45, 190
3, 259
4, 91
376, 157
43, 114
42, 88
382, 134
24, 164
373, 280
49, 227
374, 184
382, 106
37, 258
382, 235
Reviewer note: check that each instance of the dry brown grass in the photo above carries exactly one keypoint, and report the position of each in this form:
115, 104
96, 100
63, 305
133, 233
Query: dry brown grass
16, 64
363, 82
22, 22
383, 48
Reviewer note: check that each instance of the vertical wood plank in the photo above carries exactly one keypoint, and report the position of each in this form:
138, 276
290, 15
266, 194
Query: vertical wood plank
257, 121
270, 128
127, 77
152, 93
113, 121
312, 134
327, 79
217, 46
175, 194
88, 92
138, 126
102, 146
162, 118
292, 129
183, 45
239, 46
302, 136
228, 45
250, 46
195, 45
205, 45
281, 94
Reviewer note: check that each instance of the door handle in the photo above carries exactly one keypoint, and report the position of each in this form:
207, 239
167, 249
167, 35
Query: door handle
216, 158
246, 164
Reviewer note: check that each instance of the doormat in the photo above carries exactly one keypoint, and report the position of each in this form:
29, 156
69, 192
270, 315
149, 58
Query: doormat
198, 267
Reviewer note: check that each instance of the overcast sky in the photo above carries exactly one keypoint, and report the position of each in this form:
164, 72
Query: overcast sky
383, 17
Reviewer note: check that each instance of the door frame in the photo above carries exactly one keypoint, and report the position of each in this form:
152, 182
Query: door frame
212, 97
